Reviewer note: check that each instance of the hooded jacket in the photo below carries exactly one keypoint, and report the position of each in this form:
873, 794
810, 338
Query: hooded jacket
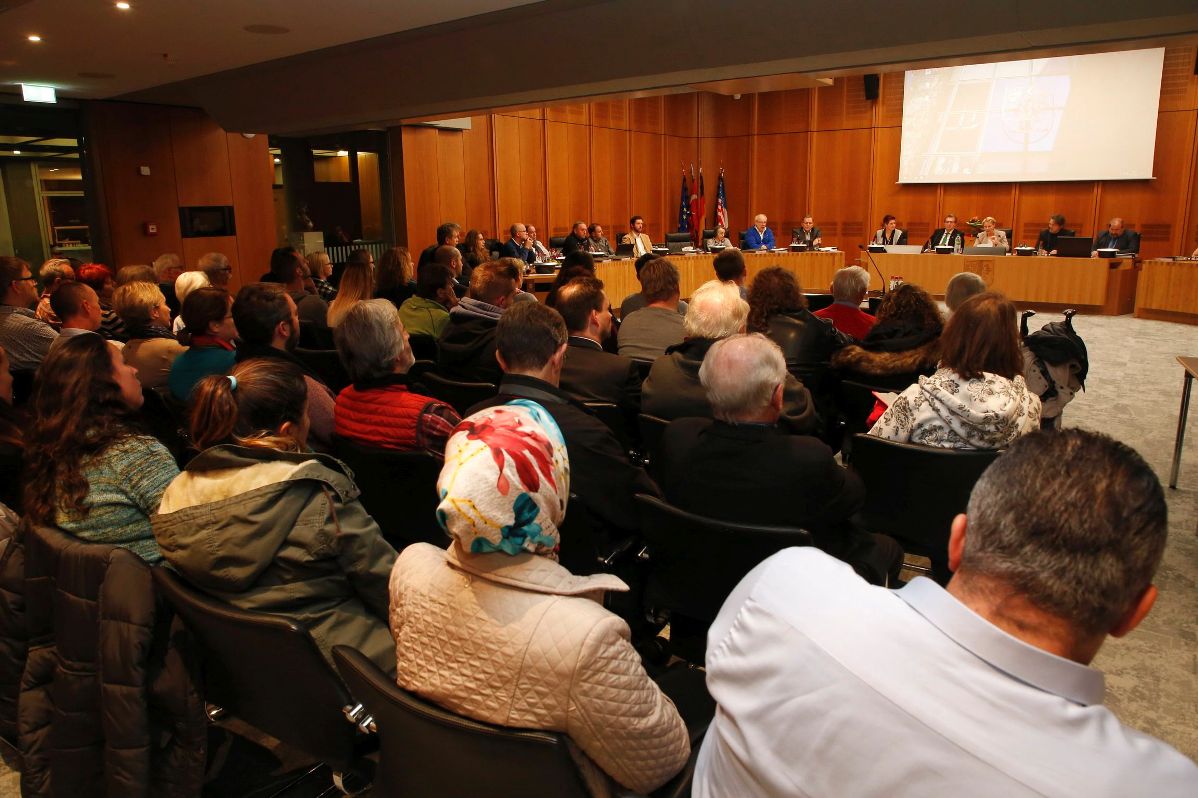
282, 533
466, 349
953, 413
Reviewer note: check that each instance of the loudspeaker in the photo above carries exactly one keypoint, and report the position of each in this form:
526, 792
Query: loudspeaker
872, 82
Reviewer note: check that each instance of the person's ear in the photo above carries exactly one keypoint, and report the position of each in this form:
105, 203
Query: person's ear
502, 361
956, 541
558, 357
1139, 610
777, 398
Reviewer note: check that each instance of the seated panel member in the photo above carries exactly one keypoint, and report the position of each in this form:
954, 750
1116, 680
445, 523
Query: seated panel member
641, 245
947, 236
759, 236
539, 250
1116, 237
982, 687
577, 240
517, 245
889, 233
807, 233
719, 240
991, 236
599, 244
1046, 243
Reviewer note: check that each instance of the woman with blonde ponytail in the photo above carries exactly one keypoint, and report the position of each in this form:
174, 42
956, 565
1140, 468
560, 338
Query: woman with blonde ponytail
258, 520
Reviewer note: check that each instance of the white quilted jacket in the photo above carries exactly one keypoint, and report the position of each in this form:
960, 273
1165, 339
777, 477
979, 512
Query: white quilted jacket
521, 642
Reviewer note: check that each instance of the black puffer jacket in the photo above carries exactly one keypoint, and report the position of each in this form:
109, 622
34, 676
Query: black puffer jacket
808, 343
107, 706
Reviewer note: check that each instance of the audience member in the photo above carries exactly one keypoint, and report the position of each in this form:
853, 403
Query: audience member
849, 287
452, 257
427, 311
730, 268
88, 468
99, 277
590, 374
210, 334
320, 268
641, 244
578, 263
673, 390
269, 327
901, 346
167, 268
187, 282
216, 267
962, 286
12, 443
496, 611
779, 479
53, 273
152, 347
759, 236
515, 269
474, 253
540, 251
977, 399
395, 279
449, 234
1046, 243
598, 242
79, 308
1117, 238
23, 335
357, 284
531, 345
466, 348
646, 333
577, 240
260, 522
134, 274
986, 683
517, 246
286, 268
378, 409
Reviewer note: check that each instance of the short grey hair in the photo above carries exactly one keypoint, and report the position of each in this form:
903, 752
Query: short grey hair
167, 260
55, 269
961, 287
370, 340
188, 282
212, 262
740, 374
715, 311
849, 284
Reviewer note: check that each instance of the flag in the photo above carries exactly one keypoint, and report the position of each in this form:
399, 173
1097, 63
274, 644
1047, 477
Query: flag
684, 211
701, 213
721, 203
696, 228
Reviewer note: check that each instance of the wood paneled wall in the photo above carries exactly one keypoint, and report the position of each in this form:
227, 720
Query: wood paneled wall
192, 161
826, 151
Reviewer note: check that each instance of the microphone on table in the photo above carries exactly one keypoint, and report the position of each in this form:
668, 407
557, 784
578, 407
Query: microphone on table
865, 248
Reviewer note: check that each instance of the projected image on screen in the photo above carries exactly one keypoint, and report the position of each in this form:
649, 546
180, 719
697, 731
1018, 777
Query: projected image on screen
1089, 117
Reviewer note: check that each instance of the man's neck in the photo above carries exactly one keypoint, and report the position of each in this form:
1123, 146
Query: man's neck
547, 374
79, 324
588, 335
765, 416
665, 304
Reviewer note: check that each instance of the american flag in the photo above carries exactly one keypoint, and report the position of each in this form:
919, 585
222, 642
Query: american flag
721, 203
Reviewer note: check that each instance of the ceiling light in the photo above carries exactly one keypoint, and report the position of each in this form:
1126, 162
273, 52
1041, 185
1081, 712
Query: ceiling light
55, 169
34, 37
278, 160
38, 94
16, 152
123, 6
342, 153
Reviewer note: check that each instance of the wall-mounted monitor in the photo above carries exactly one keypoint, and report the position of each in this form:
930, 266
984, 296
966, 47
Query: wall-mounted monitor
203, 221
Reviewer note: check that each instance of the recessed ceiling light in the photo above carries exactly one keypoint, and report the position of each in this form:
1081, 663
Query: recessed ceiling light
267, 30
33, 37
55, 169
342, 153
123, 6
278, 160
16, 152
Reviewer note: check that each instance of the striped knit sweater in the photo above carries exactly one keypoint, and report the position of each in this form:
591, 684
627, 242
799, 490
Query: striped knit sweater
125, 485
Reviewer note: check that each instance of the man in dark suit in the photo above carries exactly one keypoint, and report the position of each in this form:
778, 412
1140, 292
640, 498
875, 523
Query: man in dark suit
739, 466
589, 373
448, 235
579, 239
947, 236
517, 246
807, 233
1047, 241
1116, 237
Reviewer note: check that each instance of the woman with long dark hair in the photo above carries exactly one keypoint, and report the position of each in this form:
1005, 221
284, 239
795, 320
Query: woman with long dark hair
395, 279
89, 468
474, 253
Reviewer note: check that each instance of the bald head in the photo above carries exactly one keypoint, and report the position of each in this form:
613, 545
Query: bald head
744, 377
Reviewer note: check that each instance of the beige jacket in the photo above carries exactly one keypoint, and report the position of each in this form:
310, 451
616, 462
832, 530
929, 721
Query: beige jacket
152, 357
646, 245
520, 641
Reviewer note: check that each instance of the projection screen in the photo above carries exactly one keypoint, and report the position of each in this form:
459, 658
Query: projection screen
1082, 117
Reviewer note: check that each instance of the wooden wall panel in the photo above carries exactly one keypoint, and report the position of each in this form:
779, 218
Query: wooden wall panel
784, 111
890, 99
480, 178
779, 180
680, 115
422, 186
201, 155
1179, 84
647, 186
370, 197
721, 115
979, 199
842, 105
1037, 201
251, 172
610, 169
679, 154
451, 178
645, 114
1189, 236
913, 205
567, 157
610, 114
839, 196
520, 171
731, 153
575, 113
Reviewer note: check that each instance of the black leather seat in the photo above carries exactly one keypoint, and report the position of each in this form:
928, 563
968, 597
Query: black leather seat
315, 336
326, 364
22, 386
651, 429
399, 490
166, 419
695, 562
616, 420
461, 396
913, 492
267, 671
818, 301
424, 347
417, 371
557, 242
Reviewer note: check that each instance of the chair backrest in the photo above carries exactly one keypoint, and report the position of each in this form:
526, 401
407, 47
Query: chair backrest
678, 237
912, 491
166, 420
427, 752
615, 418
399, 490
267, 671
22, 386
315, 336
461, 396
651, 428
708, 232
418, 369
326, 364
818, 301
556, 242
424, 347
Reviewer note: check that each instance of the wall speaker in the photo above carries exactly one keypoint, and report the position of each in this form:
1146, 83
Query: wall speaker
872, 82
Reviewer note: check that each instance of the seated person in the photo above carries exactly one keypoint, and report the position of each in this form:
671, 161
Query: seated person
77, 307
357, 284
759, 236
589, 373
991, 236
902, 345
578, 263
12, 442
496, 611
1046, 243
517, 246
378, 409
287, 267
427, 311
730, 267
466, 348
448, 234
578, 239
779, 479
540, 251
961, 287
719, 239
88, 468
167, 268
922, 691
807, 233
452, 257
474, 253
634, 302
598, 242
646, 333
320, 267
641, 243
531, 341
24, 336
672, 389
187, 282
889, 233
54, 273
1118, 238
99, 277
211, 335
259, 521
849, 287
977, 399
393, 277
152, 347
947, 236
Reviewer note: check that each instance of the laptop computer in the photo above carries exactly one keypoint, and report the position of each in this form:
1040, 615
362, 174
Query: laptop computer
1074, 246
985, 250
625, 250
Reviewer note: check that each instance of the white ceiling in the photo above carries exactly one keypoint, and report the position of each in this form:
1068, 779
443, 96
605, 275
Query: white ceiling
163, 41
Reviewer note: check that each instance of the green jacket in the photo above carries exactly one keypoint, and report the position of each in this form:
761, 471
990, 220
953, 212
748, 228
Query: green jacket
282, 533
423, 316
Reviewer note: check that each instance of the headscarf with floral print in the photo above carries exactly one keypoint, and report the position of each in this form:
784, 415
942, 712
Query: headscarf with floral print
505, 481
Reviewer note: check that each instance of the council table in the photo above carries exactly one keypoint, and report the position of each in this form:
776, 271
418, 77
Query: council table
1168, 290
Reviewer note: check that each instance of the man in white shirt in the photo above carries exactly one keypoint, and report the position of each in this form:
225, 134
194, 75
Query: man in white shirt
828, 686
641, 244
541, 252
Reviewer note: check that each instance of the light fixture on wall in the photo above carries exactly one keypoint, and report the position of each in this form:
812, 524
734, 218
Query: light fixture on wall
342, 153
16, 152
123, 6
33, 37
38, 94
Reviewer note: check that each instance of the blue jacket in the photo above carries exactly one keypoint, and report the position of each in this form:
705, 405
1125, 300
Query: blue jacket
513, 250
755, 240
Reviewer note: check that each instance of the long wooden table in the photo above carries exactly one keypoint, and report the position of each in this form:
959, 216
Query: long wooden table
1168, 291
1095, 285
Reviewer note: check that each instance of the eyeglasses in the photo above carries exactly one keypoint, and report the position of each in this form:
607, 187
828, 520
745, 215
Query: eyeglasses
22, 279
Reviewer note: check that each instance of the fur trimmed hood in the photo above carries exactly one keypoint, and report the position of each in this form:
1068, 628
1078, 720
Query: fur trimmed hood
854, 358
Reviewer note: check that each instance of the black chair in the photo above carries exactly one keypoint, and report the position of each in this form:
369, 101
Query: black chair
417, 371
267, 671
326, 364
740, 238
616, 420
428, 752
651, 429
708, 232
818, 301
557, 242
913, 492
424, 347
165, 418
461, 396
695, 562
677, 237
399, 490
22, 386
315, 336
